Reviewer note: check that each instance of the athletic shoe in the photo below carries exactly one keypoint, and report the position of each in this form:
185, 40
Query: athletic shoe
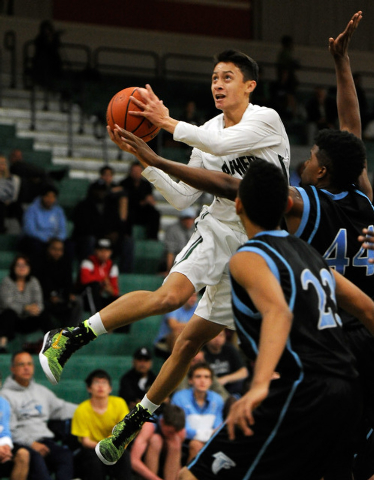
111, 449
58, 347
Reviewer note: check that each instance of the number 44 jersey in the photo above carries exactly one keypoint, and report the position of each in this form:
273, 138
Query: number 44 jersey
331, 223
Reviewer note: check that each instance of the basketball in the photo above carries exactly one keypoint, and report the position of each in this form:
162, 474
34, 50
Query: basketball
117, 113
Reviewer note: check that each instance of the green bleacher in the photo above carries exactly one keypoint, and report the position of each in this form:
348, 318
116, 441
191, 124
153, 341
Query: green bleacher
147, 256
41, 158
114, 351
72, 191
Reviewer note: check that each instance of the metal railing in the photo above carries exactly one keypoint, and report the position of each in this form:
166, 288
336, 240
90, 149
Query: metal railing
69, 66
10, 46
135, 63
127, 60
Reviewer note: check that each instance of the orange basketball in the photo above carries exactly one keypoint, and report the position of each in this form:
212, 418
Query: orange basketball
117, 113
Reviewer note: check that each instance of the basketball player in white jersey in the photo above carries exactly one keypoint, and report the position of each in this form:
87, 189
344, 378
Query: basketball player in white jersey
228, 143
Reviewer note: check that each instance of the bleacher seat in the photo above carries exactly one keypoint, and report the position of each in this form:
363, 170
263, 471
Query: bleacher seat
6, 258
3, 273
19, 143
148, 255
72, 191
129, 282
9, 242
41, 159
143, 332
138, 232
7, 131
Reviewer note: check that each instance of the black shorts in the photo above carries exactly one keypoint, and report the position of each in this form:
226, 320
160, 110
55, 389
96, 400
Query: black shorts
362, 346
299, 429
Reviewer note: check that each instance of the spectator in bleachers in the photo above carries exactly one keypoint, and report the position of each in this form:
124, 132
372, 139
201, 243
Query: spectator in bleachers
287, 61
262, 93
10, 185
55, 274
14, 460
44, 219
98, 277
321, 112
94, 217
32, 406
227, 363
142, 203
157, 451
47, 62
203, 408
33, 178
135, 383
92, 421
177, 235
283, 90
215, 387
116, 205
172, 325
115, 193
21, 303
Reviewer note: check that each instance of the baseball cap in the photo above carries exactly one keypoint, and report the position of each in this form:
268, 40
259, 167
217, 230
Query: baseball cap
103, 243
187, 213
142, 352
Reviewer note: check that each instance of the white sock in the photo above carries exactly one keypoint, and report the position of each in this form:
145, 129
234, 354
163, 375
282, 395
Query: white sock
96, 324
148, 405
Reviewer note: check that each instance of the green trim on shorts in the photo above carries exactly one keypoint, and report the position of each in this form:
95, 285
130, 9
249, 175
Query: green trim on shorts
202, 217
190, 250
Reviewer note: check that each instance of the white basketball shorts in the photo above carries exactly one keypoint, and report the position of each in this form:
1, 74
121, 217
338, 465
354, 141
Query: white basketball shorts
205, 262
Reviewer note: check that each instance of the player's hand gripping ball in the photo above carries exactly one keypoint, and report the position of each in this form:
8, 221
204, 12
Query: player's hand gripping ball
118, 113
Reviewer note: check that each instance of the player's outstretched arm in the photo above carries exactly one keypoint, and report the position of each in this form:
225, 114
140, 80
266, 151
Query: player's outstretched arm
216, 183
267, 295
346, 98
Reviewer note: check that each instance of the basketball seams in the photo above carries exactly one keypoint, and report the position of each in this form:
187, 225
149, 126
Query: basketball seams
119, 108
127, 108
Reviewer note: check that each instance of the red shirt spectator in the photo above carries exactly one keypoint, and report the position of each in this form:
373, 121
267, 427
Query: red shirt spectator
99, 276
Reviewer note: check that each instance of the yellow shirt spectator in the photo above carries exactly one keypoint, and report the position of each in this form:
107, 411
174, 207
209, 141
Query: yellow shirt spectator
88, 423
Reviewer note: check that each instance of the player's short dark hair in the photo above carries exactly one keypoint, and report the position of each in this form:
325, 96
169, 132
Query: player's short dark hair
264, 192
246, 64
343, 154
98, 373
174, 416
198, 366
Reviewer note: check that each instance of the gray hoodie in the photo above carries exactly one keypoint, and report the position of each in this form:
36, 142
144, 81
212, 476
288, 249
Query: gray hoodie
31, 408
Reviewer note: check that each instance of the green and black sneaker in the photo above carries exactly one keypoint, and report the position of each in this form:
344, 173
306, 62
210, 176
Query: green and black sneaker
110, 449
58, 347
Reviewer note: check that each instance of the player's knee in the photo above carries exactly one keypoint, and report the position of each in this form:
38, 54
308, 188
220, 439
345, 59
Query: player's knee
170, 300
186, 347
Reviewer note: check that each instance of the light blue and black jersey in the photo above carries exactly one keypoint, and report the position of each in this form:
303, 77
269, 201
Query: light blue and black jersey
331, 223
316, 343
